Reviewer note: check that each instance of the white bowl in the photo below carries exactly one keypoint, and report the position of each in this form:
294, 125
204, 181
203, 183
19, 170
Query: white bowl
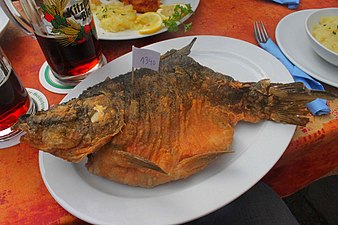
313, 19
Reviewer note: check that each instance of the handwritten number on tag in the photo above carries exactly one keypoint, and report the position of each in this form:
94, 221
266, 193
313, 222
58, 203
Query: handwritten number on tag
145, 58
147, 61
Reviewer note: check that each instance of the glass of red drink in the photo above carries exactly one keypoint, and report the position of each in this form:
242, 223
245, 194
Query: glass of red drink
66, 33
14, 99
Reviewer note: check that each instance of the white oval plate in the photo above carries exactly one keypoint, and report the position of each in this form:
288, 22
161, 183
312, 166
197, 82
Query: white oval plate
133, 34
292, 40
257, 147
3, 22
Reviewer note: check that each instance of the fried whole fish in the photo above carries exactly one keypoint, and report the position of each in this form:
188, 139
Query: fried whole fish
162, 126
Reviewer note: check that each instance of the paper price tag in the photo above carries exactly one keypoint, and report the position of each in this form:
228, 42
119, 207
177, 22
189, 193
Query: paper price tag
145, 58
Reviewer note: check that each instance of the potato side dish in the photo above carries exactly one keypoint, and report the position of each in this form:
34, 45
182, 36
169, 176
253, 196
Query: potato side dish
326, 32
122, 15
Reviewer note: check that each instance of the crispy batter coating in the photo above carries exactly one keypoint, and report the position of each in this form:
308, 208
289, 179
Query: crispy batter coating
142, 6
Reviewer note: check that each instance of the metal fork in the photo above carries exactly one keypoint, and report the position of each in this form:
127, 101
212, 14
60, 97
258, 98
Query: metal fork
260, 32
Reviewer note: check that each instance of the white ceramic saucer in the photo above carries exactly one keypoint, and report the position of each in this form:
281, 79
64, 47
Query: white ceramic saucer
292, 39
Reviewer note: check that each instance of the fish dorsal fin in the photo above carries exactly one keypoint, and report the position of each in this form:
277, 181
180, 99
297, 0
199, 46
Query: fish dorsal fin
174, 53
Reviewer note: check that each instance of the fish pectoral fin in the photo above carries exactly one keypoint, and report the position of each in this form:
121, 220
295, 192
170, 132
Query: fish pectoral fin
133, 161
196, 163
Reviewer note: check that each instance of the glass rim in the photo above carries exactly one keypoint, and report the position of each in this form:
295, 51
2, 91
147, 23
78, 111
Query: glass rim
9, 133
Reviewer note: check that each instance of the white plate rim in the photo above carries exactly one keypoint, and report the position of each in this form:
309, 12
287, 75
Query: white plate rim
3, 22
323, 74
130, 35
200, 195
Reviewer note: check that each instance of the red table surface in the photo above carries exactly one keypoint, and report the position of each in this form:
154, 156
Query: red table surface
312, 153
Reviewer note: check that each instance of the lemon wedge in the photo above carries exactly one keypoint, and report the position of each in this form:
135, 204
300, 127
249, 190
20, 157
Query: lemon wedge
168, 10
149, 22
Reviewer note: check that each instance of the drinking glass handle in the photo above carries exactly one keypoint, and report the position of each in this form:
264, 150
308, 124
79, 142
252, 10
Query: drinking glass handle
16, 17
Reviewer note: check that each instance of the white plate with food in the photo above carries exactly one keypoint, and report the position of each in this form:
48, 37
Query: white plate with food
256, 148
293, 41
3, 22
105, 34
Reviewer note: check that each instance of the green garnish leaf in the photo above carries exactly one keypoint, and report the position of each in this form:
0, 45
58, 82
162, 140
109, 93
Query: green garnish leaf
173, 22
187, 27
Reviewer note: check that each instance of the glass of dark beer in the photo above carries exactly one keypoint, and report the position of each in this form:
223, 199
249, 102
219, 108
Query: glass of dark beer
66, 33
14, 99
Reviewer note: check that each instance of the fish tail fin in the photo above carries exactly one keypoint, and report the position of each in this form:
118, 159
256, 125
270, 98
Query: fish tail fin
286, 103
298, 92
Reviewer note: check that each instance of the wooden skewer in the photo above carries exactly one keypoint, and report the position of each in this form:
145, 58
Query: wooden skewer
132, 75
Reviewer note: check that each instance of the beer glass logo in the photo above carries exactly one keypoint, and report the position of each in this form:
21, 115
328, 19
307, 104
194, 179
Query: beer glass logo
71, 20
